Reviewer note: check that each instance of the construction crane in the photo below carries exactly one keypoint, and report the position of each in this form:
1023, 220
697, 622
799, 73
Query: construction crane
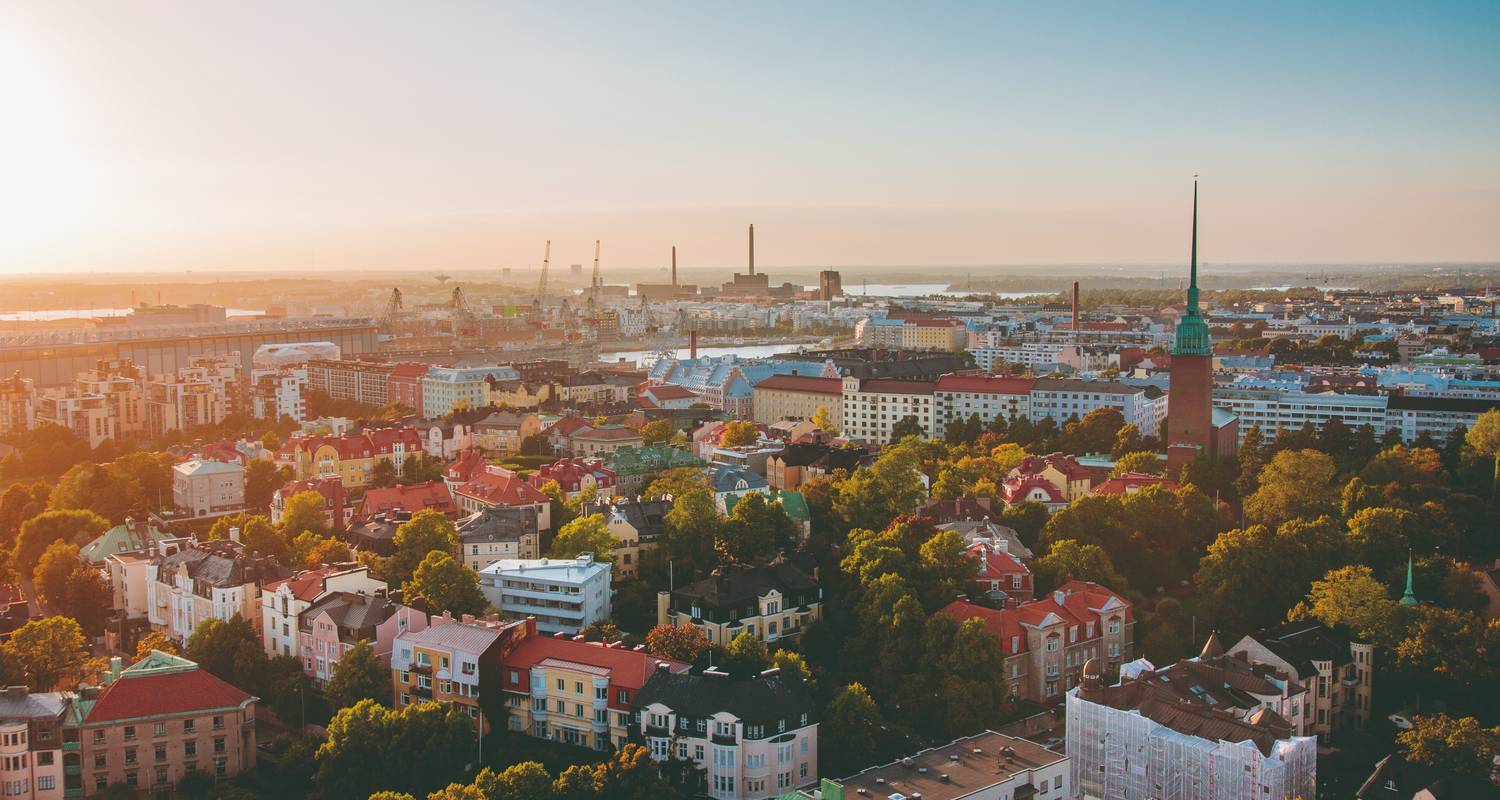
541, 287
392, 313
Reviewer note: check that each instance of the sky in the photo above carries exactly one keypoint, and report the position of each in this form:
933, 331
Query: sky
334, 135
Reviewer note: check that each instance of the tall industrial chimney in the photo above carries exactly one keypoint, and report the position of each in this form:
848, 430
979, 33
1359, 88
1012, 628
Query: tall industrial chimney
1075, 308
693, 344
674, 266
752, 248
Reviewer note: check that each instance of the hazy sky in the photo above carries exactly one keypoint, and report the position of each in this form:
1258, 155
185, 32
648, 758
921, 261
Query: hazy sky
450, 135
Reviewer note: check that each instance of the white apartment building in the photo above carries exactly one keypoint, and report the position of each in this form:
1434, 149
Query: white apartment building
565, 595
958, 397
212, 580
1063, 398
208, 488
446, 387
872, 406
754, 739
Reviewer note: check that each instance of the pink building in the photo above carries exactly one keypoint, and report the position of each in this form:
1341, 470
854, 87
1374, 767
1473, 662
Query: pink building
404, 386
31, 742
334, 624
162, 718
575, 475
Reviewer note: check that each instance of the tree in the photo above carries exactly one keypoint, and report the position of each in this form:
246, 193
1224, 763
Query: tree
446, 585
746, 655
427, 531
304, 512
1453, 650
908, 425
383, 475
849, 731
658, 431
1251, 457
1460, 746
793, 667
47, 651
677, 481
261, 538
683, 643
416, 748
1351, 596
1085, 562
874, 495
270, 441
328, 550
585, 535
1380, 537
1138, 461
739, 433
39, 532
1127, 440
58, 563
196, 784
1297, 484
262, 479
602, 632
155, 640
358, 675
1250, 576
824, 420
757, 528
87, 598
229, 650
693, 525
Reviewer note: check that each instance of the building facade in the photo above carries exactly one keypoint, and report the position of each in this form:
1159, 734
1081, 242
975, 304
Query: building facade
564, 595
770, 601
873, 406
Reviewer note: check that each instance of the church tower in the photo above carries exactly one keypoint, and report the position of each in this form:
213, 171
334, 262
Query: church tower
1190, 430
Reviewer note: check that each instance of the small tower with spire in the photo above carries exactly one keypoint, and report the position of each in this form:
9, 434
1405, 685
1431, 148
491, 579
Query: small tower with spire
1410, 597
1190, 428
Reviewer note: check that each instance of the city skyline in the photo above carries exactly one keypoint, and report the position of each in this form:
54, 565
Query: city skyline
869, 135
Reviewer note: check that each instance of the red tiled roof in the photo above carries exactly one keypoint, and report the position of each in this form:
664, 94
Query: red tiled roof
501, 487
433, 495
996, 562
407, 370
1130, 481
987, 384
133, 697
569, 474
382, 439
607, 434
1080, 599
464, 467
1003, 624
802, 383
566, 426
1014, 490
667, 391
305, 585
628, 668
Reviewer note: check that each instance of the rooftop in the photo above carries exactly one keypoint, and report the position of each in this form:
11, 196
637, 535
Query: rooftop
959, 769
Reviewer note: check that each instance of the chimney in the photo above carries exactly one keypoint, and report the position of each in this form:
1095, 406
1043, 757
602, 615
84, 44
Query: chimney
752, 249
674, 266
1075, 307
115, 666
234, 534
693, 343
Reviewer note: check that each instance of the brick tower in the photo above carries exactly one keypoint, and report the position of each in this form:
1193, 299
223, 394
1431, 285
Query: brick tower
1190, 430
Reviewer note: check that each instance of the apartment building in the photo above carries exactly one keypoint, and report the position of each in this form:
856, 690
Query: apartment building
1002, 578
495, 486
1410, 415
523, 393
1334, 670
1062, 470
158, 720
447, 388
575, 476
176, 403
409, 499
452, 660
31, 743
1150, 736
957, 398
351, 457
753, 739
986, 766
365, 382
333, 624
209, 580
1061, 399
282, 602
598, 442
798, 463
202, 489
335, 500
497, 533
635, 467
771, 601
122, 386
873, 406
564, 595
278, 393
580, 693
635, 523
503, 431
947, 335
87, 416
1047, 641
404, 386
17, 405
798, 397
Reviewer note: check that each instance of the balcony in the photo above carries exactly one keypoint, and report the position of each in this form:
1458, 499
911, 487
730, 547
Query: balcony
71, 747
723, 739
73, 769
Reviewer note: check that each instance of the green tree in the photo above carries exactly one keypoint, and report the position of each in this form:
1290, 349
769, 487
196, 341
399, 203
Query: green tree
756, 528
304, 512
738, 433
908, 425
677, 481
47, 651
1297, 484
1250, 576
560, 510
359, 675
1457, 745
850, 725
658, 431
262, 479
1351, 596
684, 643
1127, 440
155, 640
328, 550
58, 563
1453, 651
1252, 458
88, 599
229, 650
1085, 562
1379, 536
446, 585
41, 531
693, 525
426, 532
1138, 461
872, 496
585, 535
746, 655
824, 420
383, 475
415, 749
1484, 437
261, 538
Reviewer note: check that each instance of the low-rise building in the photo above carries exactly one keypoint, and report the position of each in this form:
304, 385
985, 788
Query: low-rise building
735, 481
636, 467
636, 525
455, 661
752, 738
1001, 578
1143, 738
1061, 399
210, 580
203, 489
31, 743
503, 431
564, 595
332, 625
447, 388
986, 766
580, 693
771, 601
135, 534
1335, 670
499, 533
597, 442
429, 496
495, 487
282, 602
575, 476
335, 500
800, 462
947, 335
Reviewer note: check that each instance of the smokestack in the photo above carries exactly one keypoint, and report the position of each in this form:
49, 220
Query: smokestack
674, 266
752, 248
693, 343
1075, 306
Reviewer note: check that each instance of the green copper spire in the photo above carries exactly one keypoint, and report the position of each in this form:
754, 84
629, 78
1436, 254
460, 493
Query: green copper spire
1410, 598
1192, 330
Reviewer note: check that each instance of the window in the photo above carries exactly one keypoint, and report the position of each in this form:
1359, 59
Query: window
131, 779
46, 782
99, 761
129, 732
220, 767
218, 744
130, 755
44, 758
188, 725
1053, 642
159, 729
190, 748
160, 752
218, 722
562, 685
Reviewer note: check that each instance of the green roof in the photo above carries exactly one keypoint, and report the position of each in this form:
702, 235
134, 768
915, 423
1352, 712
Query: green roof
793, 503
651, 458
121, 539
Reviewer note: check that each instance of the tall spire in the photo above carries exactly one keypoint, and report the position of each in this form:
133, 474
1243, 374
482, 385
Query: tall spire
1192, 331
1410, 597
